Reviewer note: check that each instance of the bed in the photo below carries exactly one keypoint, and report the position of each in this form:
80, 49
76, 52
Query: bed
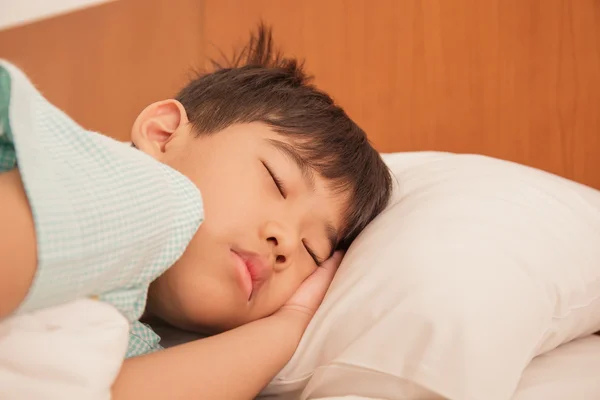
523, 85
568, 372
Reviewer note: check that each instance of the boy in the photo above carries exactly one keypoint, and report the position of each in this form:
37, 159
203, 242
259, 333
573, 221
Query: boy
288, 180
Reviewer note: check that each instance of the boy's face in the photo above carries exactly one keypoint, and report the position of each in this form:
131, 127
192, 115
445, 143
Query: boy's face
254, 248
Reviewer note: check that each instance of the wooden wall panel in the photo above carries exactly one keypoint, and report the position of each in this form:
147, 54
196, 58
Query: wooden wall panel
515, 79
102, 65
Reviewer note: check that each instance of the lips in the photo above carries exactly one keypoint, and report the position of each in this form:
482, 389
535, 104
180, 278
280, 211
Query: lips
252, 269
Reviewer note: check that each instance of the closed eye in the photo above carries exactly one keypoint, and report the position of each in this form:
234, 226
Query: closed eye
278, 182
312, 254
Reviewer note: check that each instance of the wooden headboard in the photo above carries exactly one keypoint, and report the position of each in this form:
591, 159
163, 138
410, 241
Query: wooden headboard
514, 79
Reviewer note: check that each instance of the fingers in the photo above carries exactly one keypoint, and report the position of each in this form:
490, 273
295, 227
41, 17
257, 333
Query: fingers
311, 292
320, 280
331, 265
334, 261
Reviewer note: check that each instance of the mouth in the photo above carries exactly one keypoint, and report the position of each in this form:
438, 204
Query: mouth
243, 274
251, 271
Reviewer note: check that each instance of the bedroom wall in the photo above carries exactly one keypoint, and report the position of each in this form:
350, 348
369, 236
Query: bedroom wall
102, 65
20, 12
515, 79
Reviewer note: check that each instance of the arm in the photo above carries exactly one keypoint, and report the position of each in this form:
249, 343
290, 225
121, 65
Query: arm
18, 249
233, 365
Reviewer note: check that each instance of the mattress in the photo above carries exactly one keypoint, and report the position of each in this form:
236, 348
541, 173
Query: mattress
568, 372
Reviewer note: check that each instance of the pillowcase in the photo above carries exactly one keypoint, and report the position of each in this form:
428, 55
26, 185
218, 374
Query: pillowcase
477, 266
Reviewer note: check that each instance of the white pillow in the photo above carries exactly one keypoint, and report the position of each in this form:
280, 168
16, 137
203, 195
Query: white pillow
477, 266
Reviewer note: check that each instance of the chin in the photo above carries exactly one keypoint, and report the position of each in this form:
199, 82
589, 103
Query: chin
225, 326
204, 324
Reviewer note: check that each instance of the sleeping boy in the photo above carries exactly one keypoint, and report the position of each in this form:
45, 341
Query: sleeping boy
261, 183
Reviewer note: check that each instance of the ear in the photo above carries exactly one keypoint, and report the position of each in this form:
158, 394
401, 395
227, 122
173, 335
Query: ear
157, 125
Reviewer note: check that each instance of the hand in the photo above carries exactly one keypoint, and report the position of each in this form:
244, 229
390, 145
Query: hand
307, 299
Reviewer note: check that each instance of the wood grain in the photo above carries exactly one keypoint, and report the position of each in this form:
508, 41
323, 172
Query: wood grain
514, 79
103, 65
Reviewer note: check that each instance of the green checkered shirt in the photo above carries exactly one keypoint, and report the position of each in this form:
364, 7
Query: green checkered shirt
108, 218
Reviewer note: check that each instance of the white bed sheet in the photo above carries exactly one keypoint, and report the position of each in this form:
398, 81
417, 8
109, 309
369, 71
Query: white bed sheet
569, 372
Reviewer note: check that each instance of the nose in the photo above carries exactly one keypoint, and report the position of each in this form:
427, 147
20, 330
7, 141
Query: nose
282, 243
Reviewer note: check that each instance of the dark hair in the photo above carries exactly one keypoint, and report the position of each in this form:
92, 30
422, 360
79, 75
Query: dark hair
260, 85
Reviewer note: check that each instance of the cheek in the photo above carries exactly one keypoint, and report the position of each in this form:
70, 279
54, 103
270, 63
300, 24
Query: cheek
233, 208
202, 298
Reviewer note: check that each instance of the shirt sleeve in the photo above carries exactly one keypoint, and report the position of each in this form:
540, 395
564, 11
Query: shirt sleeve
108, 218
142, 340
8, 157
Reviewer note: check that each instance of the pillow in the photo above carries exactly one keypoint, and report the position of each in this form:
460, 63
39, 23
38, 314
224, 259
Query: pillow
477, 266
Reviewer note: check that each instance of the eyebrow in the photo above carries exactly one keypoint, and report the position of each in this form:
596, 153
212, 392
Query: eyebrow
309, 178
